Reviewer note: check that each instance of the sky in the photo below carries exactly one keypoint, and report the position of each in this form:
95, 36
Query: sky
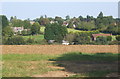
32, 10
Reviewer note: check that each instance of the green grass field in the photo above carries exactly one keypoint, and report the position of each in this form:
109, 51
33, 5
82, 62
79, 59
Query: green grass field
35, 37
42, 29
73, 30
27, 65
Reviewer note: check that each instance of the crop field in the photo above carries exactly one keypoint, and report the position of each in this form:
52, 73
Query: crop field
58, 49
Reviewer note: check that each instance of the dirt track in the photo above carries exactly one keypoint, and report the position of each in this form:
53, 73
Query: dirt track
58, 49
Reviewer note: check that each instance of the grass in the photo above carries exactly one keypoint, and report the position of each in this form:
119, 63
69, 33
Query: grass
35, 37
78, 56
42, 29
27, 65
73, 30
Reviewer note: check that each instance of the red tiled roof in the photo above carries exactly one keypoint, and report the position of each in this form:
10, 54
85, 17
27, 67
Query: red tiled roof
95, 35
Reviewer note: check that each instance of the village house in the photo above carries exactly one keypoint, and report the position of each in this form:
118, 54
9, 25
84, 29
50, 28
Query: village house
65, 23
94, 36
18, 29
32, 22
65, 42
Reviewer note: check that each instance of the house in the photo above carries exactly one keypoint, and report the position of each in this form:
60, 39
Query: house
65, 23
18, 29
51, 41
94, 36
65, 42
32, 22
51, 22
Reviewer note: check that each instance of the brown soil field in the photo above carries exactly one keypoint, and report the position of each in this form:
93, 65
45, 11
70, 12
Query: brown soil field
58, 49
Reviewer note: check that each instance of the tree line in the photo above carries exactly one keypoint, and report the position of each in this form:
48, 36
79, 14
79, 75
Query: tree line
56, 28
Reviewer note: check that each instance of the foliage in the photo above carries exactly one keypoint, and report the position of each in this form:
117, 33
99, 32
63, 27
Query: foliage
30, 41
35, 29
7, 31
55, 32
70, 37
16, 40
115, 42
70, 25
26, 24
118, 37
101, 40
109, 38
43, 21
86, 26
82, 38
4, 21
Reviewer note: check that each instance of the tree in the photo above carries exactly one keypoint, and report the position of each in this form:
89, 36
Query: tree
70, 25
55, 32
59, 20
101, 40
26, 24
100, 15
70, 37
35, 29
81, 18
43, 21
4, 21
109, 38
82, 38
67, 17
7, 31
86, 25
16, 40
118, 37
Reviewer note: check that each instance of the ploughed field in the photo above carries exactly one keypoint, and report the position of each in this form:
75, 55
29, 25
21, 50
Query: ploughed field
58, 49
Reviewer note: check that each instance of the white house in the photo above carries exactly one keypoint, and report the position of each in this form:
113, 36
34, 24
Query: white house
65, 42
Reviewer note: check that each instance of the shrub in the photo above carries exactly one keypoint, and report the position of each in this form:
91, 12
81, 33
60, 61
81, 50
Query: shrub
118, 38
115, 42
30, 41
109, 38
101, 40
16, 40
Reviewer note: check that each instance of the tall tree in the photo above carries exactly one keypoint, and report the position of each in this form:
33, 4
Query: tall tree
67, 17
55, 32
35, 29
4, 21
100, 15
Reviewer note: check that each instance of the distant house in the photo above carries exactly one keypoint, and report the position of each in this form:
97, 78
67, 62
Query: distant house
65, 42
32, 22
51, 22
94, 36
65, 23
18, 29
51, 41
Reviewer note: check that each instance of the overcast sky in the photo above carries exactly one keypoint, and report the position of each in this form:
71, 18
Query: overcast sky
32, 10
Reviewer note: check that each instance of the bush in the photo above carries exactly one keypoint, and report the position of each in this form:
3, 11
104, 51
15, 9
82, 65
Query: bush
16, 40
82, 39
109, 38
30, 41
115, 42
101, 40
118, 38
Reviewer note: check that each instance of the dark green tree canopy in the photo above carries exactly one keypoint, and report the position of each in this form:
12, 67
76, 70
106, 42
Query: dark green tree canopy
4, 21
55, 32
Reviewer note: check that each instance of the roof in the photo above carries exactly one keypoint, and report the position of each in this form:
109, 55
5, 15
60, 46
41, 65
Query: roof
95, 35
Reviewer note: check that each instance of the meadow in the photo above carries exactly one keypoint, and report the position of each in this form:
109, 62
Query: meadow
72, 64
